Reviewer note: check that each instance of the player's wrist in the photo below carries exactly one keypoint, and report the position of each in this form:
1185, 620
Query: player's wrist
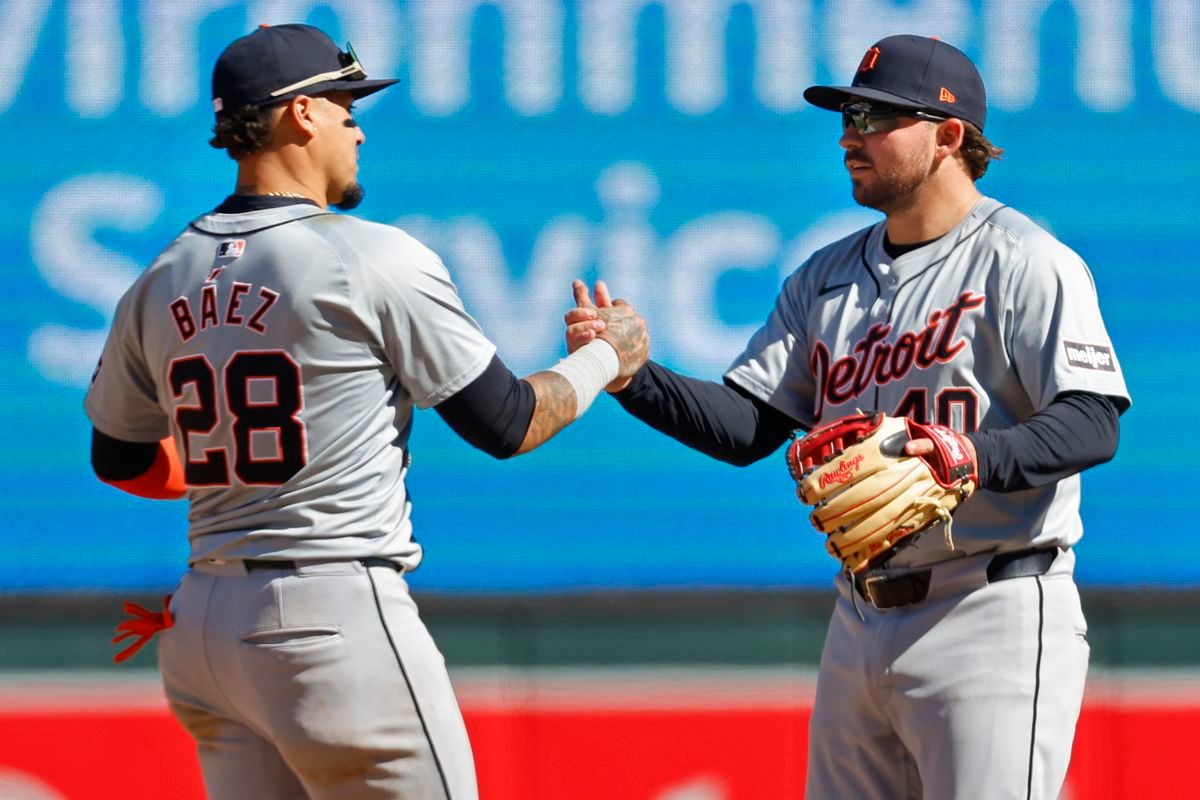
589, 369
619, 385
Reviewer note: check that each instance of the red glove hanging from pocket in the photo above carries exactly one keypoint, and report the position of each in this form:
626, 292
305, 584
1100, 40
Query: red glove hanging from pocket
143, 624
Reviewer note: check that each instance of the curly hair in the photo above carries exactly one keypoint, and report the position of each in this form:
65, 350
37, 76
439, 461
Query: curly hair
243, 132
977, 150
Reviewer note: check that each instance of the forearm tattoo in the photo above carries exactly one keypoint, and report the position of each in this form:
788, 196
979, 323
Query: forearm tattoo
626, 331
555, 408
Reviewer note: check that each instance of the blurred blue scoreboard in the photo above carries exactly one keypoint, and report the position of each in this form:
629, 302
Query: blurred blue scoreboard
663, 146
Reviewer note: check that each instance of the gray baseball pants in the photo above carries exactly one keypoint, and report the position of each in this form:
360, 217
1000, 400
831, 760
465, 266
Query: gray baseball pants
314, 681
970, 694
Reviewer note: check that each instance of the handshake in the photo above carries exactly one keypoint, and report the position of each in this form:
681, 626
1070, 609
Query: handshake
565, 391
614, 321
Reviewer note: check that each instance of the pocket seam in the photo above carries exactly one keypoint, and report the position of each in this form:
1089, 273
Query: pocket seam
311, 635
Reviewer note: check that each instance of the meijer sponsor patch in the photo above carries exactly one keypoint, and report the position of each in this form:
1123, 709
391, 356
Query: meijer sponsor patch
1090, 356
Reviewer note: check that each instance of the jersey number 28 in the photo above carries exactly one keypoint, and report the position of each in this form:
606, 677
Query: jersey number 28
275, 417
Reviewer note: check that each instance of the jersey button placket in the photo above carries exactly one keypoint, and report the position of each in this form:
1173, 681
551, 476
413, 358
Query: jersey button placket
882, 306
887, 284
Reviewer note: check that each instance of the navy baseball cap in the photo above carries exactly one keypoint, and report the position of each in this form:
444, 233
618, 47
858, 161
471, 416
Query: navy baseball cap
912, 72
278, 62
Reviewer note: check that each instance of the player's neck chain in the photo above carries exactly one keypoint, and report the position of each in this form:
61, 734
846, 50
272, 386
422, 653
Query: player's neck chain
285, 194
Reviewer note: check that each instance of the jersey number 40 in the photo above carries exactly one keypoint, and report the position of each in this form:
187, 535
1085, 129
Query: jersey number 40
957, 408
254, 462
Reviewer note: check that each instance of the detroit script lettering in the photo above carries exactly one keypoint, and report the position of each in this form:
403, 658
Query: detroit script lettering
875, 361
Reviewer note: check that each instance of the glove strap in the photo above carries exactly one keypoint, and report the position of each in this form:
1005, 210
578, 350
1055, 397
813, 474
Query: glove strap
950, 462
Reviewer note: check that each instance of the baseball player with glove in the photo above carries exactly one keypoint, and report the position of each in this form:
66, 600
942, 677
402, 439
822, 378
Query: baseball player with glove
955, 376
267, 366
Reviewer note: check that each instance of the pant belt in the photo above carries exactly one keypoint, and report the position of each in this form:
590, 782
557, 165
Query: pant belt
252, 564
890, 591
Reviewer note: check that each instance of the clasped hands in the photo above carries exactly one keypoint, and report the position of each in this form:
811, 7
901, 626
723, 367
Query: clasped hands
616, 322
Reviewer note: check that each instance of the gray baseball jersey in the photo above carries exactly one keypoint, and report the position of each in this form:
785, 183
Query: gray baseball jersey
285, 349
979, 329
974, 690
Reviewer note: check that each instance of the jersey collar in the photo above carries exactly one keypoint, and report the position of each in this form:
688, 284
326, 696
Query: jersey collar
222, 223
907, 264
241, 203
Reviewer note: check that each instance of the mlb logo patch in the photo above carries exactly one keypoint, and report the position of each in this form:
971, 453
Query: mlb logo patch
231, 248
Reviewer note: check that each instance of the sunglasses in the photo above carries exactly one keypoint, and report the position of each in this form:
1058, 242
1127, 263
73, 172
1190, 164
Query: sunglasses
868, 118
351, 69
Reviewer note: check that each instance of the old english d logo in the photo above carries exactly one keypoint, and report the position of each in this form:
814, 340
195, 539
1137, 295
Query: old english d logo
868, 60
947, 96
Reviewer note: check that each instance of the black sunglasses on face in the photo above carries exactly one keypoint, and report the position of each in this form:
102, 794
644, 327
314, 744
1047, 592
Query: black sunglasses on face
870, 118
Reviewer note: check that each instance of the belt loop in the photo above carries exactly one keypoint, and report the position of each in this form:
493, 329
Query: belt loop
853, 578
375, 561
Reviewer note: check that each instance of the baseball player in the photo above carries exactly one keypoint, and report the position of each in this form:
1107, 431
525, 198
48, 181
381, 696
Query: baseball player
266, 366
953, 667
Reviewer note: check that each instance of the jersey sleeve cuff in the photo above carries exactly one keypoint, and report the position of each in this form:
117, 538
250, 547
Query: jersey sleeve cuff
452, 386
119, 431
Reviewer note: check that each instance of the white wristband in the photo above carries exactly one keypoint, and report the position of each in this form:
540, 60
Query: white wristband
589, 369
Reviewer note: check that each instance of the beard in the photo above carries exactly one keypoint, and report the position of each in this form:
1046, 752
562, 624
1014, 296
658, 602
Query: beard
895, 190
352, 195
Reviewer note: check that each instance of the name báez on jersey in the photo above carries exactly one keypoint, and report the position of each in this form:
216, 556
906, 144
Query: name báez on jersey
214, 313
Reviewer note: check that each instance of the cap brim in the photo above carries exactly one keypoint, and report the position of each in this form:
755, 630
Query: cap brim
364, 88
356, 88
831, 98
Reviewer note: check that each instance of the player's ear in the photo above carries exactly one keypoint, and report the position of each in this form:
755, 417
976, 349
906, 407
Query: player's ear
300, 113
949, 136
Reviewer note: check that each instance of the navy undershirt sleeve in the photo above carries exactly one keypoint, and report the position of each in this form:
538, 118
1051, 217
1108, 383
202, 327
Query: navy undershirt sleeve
119, 460
719, 420
1076, 431
492, 412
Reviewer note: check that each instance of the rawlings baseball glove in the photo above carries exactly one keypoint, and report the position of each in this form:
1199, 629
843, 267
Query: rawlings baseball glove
867, 495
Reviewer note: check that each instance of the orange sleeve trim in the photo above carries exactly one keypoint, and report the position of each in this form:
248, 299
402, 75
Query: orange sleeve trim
164, 479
